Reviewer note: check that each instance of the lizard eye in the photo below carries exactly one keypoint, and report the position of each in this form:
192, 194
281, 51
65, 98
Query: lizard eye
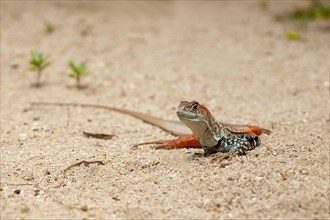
195, 107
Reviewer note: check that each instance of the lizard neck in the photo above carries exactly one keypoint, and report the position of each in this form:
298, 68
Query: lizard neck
208, 131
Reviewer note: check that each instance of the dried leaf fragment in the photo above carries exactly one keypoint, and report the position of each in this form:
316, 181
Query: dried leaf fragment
99, 135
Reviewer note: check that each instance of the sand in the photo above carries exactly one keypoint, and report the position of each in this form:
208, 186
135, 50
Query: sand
233, 57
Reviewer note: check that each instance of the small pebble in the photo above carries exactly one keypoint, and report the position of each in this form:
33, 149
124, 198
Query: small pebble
25, 209
14, 66
22, 136
84, 208
17, 191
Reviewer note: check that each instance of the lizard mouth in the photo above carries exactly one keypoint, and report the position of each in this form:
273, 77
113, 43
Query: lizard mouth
186, 115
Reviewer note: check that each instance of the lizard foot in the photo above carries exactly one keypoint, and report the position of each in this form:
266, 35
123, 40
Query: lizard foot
221, 157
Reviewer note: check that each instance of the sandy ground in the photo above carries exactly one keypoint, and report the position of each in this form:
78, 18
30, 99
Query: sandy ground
231, 56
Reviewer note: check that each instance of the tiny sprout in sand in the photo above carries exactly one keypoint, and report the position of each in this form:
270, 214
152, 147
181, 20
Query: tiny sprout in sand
77, 72
38, 64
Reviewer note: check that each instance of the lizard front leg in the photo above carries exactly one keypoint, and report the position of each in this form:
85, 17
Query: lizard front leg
190, 141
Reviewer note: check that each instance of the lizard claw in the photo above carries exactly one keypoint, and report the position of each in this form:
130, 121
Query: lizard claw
221, 157
223, 160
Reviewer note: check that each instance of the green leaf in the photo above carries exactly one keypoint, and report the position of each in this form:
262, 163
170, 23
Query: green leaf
315, 10
34, 63
81, 68
36, 56
74, 68
322, 12
292, 35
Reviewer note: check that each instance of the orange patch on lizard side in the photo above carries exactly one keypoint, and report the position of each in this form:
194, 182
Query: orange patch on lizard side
254, 130
184, 141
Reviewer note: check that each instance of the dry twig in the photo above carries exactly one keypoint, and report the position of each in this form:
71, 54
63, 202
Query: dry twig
86, 163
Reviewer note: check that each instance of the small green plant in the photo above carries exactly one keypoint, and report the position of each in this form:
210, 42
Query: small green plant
292, 35
49, 27
315, 10
38, 64
77, 72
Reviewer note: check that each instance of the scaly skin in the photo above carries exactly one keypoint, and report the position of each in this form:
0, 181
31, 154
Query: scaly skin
215, 136
211, 135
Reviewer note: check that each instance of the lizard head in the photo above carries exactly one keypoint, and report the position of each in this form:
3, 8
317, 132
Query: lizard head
193, 111
200, 121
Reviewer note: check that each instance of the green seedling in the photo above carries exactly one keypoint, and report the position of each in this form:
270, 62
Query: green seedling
292, 35
38, 64
77, 72
315, 10
49, 27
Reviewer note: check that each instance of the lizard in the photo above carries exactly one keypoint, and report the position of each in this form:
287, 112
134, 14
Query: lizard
198, 129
